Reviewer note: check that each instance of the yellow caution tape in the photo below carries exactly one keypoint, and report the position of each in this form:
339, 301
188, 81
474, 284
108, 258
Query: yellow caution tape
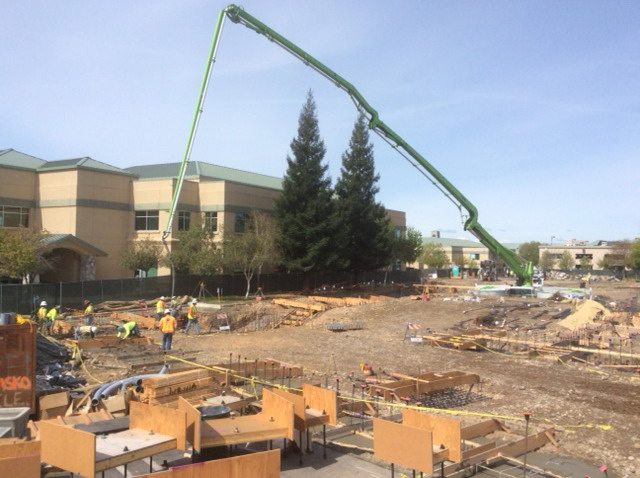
77, 352
394, 404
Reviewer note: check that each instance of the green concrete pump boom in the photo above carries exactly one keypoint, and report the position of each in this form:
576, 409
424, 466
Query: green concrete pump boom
523, 270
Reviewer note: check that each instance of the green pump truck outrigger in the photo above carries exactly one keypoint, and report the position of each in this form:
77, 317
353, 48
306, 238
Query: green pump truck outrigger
522, 269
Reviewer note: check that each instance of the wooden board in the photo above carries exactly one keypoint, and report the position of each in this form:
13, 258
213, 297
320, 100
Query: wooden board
281, 409
117, 449
175, 378
399, 388
516, 448
67, 448
162, 420
264, 464
194, 417
445, 431
299, 407
21, 466
481, 429
403, 445
322, 399
245, 429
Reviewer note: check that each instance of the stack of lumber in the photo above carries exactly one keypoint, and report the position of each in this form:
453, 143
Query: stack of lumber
299, 304
349, 301
191, 385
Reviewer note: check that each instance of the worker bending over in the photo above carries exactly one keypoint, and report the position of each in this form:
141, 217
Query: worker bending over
167, 327
192, 317
81, 331
127, 329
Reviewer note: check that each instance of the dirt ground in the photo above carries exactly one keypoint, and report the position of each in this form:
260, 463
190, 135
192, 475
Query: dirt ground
582, 402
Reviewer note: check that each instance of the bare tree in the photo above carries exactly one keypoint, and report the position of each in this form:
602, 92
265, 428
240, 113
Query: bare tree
251, 250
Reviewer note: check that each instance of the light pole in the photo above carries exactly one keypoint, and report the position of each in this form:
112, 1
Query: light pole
552, 238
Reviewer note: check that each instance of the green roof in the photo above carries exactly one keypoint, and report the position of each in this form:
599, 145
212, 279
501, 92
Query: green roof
201, 170
16, 159
84, 163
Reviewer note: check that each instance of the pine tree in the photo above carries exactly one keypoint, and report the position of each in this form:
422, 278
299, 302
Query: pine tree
364, 239
304, 210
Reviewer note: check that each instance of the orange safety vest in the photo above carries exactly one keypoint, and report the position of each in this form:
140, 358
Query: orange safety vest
168, 324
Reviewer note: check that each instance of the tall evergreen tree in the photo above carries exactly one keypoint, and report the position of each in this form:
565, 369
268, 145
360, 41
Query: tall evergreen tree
363, 225
304, 210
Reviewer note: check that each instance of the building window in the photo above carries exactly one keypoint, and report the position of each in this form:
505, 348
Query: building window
474, 256
241, 222
14, 216
211, 221
147, 220
184, 220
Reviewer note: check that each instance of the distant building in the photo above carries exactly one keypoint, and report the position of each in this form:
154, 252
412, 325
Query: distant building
92, 210
457, 250
587, 255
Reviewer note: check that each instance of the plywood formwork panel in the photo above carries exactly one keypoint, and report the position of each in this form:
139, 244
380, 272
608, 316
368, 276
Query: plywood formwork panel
255, 465
449, 381
299, 407
280, 409
67, 448
532, 442
445, 431
399, 388
162, 420
193, 417
322, 399
481, 429
19, 458
403, 445
275, 421
116, 449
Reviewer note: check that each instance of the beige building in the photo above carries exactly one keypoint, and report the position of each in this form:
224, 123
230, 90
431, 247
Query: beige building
586, 255
459, 251
92, 210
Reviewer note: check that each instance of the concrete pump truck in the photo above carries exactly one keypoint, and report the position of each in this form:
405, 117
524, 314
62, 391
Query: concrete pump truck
523, 270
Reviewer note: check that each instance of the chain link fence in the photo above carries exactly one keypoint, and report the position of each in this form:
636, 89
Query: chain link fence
24, 299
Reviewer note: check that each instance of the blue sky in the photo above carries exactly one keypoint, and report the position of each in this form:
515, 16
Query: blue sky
530, 108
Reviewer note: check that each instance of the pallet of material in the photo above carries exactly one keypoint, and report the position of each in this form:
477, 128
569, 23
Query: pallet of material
165, 389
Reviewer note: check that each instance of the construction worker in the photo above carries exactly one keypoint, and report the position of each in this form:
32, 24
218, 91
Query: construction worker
160, 306
168, 325
42, 312
127, 329
192, 317
51, 317
88, 312
175, 307
80, 331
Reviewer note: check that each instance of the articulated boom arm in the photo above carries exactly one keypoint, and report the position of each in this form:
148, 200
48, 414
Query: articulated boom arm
238, 15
